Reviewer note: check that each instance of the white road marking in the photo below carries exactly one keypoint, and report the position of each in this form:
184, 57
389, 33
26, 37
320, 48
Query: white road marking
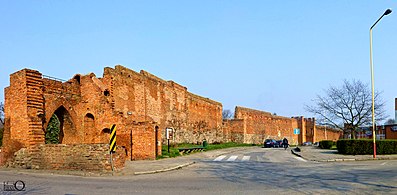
299, 158
232, 158
219, 158
246, 158
383, 163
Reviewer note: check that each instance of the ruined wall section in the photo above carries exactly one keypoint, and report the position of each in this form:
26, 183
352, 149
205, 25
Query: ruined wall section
127, 102
145, 97
261, 125
301, 122
175, 111
24, 108
82, 106
205, 119
95, 113
310, 124
233, 130
55, 95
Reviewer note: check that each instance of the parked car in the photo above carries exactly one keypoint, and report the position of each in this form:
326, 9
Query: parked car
307, 144
279, 144
269, 143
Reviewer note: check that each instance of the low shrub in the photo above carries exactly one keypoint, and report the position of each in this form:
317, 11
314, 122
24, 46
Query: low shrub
365, 146
326, 144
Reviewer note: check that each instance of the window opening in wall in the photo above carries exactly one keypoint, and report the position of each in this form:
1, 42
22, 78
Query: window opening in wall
106, 130
89, 126
106, 92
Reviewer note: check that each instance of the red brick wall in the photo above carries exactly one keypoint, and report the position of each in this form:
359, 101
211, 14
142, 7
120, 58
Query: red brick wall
15, 108
259, 125
327, 133
144, 145
137, 103
86, 157
389, 133
310, 124
87, 107
233, 130
148, 98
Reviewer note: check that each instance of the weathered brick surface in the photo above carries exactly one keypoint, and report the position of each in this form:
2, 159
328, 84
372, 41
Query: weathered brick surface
140, 104
254, 126
86, 157
326, 133
259, 125
233, 130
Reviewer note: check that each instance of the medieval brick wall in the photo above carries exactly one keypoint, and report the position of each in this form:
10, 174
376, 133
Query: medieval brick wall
140, 104
258, 125
233, 130
327, 133
85, 157
310, 129
145, 97
15, 107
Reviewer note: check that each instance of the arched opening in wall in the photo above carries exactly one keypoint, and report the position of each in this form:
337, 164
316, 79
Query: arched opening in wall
105, 135
106, 131
59, 123
89, 128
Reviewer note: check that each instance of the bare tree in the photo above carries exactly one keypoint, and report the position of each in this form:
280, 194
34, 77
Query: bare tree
2, 113
227, 114
349, 105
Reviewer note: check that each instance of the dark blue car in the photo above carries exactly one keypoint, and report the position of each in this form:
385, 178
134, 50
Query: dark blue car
269, 143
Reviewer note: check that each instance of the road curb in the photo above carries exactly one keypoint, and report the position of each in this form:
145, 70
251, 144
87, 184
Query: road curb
164, 170
342, 159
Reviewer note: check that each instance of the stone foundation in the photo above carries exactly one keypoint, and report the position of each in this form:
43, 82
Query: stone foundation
81, 157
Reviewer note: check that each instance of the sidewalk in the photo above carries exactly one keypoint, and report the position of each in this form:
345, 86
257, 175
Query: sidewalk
313, 153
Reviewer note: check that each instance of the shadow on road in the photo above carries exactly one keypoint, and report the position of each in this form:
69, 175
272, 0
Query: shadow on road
340, 179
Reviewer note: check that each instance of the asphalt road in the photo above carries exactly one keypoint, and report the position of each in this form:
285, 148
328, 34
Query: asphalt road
251, 171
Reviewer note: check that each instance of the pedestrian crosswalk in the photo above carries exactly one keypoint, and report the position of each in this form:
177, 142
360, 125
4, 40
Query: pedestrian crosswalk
256, 158
232, 158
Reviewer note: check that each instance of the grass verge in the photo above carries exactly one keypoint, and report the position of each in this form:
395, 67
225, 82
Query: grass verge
175, 153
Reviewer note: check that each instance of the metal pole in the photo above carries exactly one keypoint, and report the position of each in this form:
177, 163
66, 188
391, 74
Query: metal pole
388, 11
111, 162
168, 146
372, 88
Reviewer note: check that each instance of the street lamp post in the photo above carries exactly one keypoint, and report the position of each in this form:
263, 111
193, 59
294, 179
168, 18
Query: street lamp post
388, 11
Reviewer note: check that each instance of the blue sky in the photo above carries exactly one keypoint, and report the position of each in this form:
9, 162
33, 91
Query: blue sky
274, 56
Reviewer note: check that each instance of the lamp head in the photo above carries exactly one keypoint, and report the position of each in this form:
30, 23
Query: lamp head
387, 12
